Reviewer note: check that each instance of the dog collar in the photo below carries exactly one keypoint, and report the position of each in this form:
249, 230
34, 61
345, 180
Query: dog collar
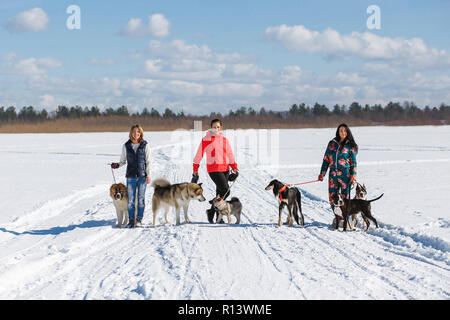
221, 204
282, 189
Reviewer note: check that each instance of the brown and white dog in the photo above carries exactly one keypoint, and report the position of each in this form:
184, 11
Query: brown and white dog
118, 192
227, 208
176, 196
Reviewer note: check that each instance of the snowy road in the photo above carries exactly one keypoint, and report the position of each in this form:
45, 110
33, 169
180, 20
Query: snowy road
65, 246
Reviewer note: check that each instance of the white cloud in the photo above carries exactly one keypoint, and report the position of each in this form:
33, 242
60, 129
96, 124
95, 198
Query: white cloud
33, 66
106, 87
350, 78
158, 26
236, 90
179, 49
290, 74
9, 56
186, 88
29, 67
101, 62
412, 52
152, 66
178, 74
249, 70
179, 60
139, 86
47, 101
49, 62
32, 20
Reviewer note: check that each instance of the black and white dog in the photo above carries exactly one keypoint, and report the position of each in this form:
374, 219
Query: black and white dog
289, 197
348, 207
361, 193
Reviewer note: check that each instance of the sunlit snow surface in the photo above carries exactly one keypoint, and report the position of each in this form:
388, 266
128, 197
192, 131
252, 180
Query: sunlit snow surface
58, 239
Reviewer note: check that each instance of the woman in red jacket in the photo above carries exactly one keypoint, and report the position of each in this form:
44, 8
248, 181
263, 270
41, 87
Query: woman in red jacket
219, 158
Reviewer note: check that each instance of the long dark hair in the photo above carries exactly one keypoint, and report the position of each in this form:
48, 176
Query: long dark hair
216, 120
349, 137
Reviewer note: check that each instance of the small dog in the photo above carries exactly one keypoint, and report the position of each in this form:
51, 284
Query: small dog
289, 197
228, 208
348, 207
179, 195
118, 193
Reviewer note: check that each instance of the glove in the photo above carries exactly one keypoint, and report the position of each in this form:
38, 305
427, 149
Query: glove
320, 177
233, 176
194, 178
114, 165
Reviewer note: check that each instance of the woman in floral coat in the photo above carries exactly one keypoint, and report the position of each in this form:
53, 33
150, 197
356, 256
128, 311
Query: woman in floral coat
340, 157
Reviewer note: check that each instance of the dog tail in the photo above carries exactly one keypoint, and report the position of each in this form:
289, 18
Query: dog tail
160, 183
376, 198
296, 206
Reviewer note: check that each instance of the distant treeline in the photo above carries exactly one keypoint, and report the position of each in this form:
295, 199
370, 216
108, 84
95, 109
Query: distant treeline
298, 115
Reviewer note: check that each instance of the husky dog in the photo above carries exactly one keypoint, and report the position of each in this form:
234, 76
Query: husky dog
178, 195
228, 208
118, 193
349, 207
290, 197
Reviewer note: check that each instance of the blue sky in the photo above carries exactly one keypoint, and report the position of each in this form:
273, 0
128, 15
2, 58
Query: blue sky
213, 56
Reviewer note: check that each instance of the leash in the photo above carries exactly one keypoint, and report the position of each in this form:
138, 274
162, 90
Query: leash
222, 199
112, 171
295, 184
350, 187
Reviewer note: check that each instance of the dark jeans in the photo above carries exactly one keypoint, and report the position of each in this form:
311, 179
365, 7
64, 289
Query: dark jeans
220, 179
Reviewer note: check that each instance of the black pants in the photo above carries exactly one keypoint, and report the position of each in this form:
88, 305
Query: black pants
220, 179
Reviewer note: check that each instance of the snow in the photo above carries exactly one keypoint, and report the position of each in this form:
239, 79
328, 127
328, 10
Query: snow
58, 240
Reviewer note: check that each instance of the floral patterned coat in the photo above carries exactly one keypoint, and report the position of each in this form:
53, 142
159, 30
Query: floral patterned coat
341, 161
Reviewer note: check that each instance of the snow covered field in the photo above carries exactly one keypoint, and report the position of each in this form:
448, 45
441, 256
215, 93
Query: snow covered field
58, 241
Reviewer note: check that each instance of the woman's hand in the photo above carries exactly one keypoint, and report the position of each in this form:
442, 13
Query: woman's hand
195, 177
148, 179
115, 165
353, 180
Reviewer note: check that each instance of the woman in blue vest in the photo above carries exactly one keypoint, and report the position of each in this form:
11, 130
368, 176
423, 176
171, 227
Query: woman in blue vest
340, 157
136, 153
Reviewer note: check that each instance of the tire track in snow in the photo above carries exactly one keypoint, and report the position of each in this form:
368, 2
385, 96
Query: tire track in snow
356, 257
173, 261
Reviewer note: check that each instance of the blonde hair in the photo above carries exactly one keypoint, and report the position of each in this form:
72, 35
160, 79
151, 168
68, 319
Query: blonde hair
141, 131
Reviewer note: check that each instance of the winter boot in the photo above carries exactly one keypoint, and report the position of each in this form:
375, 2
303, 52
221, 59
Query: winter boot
131, 224
210, 213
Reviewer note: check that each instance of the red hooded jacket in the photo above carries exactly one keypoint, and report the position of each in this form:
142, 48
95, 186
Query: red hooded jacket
219, 155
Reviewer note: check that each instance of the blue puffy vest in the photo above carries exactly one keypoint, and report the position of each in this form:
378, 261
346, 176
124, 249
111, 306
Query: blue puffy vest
136, 160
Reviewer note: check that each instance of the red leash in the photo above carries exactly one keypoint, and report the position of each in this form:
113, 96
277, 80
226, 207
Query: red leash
296, 184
